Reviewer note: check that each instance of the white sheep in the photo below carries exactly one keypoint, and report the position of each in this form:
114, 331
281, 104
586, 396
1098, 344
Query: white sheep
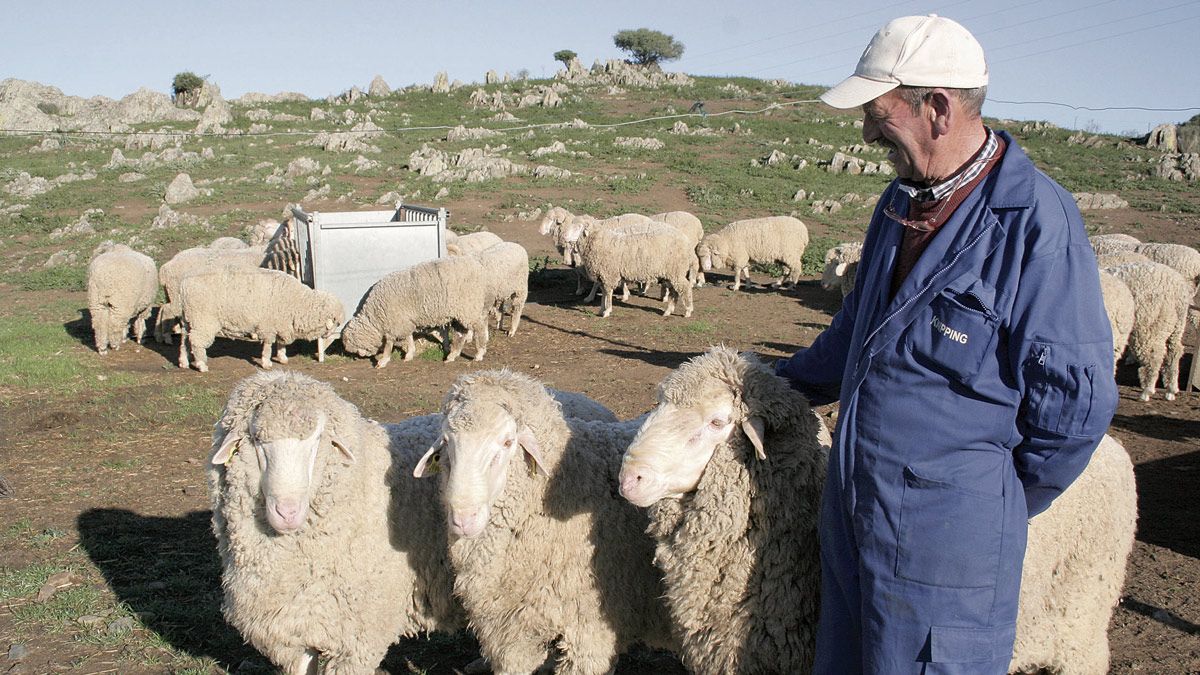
192, 261
1074, 569
1161, 298
121, 286
542, 547
506, 273
269, 306
731, 463
774, 239
565, 228
1121, 309
688, 224
1121, 257
1112, 243
841, 267
329, 549
1182, 259
228, 244
430, 294
469, 244
649, 253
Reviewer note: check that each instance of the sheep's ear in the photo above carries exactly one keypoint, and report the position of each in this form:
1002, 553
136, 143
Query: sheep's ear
429, 464
227, 449
841, 268
754, 428
337, 443
532, 450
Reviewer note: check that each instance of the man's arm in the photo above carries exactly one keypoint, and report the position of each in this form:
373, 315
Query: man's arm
817, 371
1061, 351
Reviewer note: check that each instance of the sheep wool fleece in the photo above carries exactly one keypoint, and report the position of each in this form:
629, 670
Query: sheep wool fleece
969, 401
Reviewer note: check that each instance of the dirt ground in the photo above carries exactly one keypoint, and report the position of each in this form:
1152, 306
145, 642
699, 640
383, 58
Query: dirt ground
160, 500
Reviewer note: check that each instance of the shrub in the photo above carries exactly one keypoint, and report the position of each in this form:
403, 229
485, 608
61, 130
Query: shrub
648, 47
48, 108
185, 88
564, 56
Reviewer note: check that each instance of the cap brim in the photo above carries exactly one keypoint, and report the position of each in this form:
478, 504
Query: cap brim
854, 91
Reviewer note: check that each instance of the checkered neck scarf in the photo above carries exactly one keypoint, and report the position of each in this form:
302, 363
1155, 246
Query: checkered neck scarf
947, 187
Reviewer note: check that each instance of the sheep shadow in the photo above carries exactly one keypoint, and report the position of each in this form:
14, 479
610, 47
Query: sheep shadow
1167, 508
80, 329
167, 571
653, 357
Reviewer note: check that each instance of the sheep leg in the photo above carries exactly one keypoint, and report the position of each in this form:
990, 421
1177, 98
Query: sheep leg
139, 325
100, 326
199, 351
516, 657
687, 301
1149, 365
322, 344
624, 291
385, 354
410, 349
1170, 371
459, 341
669, 297
580, 278
592, 654
304, 664
481, 339
183, 352
592, 295
606, 302
281, 352
265, 361
737, 278
518, 306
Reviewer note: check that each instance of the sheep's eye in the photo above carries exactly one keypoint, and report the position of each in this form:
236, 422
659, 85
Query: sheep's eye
718, 423
508, 442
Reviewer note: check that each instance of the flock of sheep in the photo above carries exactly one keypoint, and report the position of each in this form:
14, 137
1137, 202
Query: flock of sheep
232, 289
553, 530
535, 517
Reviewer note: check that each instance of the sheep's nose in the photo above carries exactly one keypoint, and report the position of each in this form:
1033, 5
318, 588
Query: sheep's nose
630, 481
467, 523
287, 510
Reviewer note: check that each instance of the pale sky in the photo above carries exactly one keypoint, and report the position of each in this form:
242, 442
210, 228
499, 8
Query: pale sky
1097, 54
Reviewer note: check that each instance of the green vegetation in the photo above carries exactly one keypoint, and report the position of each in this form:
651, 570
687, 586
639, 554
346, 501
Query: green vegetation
564, 56
648, 47
186, 88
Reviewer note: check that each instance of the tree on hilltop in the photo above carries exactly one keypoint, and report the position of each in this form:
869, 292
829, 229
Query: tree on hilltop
564, 56
185, 88
648, 47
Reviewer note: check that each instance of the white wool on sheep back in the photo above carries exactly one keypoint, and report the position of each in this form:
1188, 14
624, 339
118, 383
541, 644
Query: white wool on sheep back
1122, 257
471, 244
121, 285
774, 239
691, 226
368, 566
1182, 259
647, 252
1112, 243
506, 273
267, 306
1074, 568
1161, 298
739, 552
197, 260
560, 556
841, 267
430, 294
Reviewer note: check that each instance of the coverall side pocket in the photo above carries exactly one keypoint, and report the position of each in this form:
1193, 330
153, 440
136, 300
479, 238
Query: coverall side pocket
1060, 380
948, 536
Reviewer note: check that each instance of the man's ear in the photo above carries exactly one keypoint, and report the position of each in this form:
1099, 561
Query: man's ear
940, 108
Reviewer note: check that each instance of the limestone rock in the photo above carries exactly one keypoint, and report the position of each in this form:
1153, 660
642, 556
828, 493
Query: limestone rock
182, 190
378, 88
1163, 137
441, 83
639, 143
1087, 201
302, 166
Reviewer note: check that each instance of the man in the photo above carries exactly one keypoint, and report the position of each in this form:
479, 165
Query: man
973, 361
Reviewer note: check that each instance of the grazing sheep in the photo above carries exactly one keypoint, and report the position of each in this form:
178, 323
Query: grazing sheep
430, 294
329, 549
256, 304
470, 244
841, 267
1074, 568
1161, 298
192, 261
228, 244
121, 285
1120, 307
775, 239
565, 229
541, 546
648, 253
1182, 259
506, 272
731, 463
1112, 243
690, 461
688, 224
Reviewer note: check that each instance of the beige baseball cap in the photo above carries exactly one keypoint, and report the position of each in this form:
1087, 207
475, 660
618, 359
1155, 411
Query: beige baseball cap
918, 51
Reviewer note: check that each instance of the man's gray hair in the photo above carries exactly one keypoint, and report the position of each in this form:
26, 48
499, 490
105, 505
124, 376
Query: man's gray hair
972, 99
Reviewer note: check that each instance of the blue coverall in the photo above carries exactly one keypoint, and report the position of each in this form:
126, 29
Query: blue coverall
969, 401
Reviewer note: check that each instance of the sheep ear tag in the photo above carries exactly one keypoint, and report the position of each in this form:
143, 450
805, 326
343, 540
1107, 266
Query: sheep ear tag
429, 464
342, 447
755, 430
227, 450
532, 450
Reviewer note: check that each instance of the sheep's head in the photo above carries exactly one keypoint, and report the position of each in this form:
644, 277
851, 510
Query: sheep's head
834, 271
700, 406
361, 337
709, 253
553, 220
322, 325
481, 440
287, 435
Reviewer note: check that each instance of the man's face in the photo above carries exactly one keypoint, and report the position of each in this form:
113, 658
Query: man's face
890, 122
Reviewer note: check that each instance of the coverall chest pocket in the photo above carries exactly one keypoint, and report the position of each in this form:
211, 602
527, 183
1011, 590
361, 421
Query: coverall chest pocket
953, 334
949, 535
